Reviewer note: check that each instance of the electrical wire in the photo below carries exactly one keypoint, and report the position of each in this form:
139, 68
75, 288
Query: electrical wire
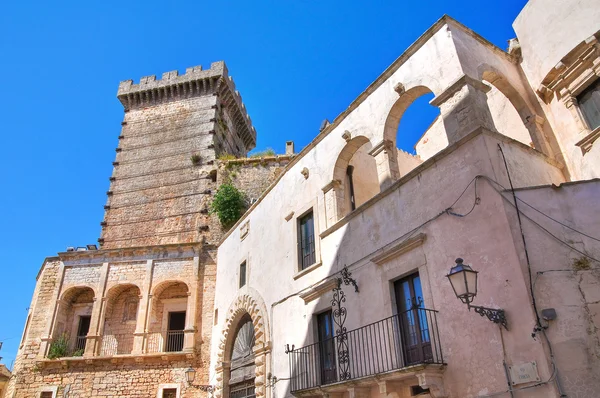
537, 224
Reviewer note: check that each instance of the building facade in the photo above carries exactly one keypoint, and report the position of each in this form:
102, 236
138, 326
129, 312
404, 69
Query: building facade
333, 283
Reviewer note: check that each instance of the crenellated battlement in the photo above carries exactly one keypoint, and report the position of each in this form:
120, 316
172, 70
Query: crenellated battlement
195, 82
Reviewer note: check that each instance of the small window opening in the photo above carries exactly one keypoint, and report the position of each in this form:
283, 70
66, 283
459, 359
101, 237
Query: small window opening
589, 103
306, 240
242, 274
349, 171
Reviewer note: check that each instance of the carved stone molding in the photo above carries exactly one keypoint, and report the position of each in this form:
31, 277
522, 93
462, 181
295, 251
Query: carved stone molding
318, 290
399, 249
586, 143
434, 382
247, 302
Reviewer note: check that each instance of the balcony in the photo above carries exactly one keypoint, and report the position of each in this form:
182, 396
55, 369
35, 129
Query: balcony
409, 340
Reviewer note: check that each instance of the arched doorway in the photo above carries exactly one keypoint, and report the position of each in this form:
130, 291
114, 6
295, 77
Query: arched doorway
242, 369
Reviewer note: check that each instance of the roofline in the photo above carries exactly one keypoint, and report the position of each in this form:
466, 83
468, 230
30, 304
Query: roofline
410, 51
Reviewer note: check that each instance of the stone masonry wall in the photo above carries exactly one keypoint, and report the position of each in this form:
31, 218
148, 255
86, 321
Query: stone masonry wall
252, 176
130, 376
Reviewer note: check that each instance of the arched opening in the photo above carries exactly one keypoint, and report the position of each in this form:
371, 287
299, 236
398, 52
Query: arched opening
73, 321
122, 303
511, 115
416, 128
168, 317
242, 369
356, 173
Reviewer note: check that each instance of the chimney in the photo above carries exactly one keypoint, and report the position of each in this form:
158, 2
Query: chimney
289, 147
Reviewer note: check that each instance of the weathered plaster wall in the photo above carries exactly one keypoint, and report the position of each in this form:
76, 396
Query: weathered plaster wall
564, 278
549, 29
441, 180
432, 141
506, 118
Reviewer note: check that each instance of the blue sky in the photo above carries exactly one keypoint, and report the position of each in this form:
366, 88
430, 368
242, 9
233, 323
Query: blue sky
294, 62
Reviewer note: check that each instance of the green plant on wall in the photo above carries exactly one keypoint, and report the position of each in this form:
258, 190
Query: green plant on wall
228, 204
196, 159
264, 153
59, 347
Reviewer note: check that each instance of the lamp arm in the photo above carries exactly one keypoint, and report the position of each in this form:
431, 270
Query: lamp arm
493, 314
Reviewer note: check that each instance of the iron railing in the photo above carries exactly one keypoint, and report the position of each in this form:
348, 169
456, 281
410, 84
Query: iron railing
80, 343
165, 341
116, 344
402, 340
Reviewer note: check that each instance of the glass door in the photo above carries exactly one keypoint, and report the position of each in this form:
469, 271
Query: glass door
412, 317
326, 347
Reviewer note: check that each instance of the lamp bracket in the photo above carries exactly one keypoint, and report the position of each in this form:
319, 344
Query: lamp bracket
207, 388
493, 314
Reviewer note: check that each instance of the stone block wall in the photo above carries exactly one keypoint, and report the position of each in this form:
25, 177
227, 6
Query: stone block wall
163, 177
252, 176
116, 278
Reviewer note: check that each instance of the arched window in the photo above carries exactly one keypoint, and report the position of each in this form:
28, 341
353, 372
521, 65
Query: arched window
241, 378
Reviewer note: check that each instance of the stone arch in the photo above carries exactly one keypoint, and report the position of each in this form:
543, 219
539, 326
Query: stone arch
407, 97
119, 319
72, 292
354, 178
163, 285
169, 296
248, 302
532, 122
76, 303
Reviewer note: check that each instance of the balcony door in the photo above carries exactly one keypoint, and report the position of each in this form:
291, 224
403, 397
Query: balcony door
82, 331
412, 318
175, 329
326, 347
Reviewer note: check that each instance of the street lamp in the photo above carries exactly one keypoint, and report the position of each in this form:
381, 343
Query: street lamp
463, 280
190, 376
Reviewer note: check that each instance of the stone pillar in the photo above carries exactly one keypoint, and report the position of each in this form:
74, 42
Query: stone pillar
463, 106
190, 314
142, 314
93, 339
334, 202
50, 323
386, 157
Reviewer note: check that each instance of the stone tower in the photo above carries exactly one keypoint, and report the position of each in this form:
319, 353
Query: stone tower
165, 171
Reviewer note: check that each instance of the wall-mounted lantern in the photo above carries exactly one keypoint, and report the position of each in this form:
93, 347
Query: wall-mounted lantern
190, 376
464, 283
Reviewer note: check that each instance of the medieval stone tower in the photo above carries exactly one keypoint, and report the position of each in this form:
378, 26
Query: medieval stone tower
134, 317
165, 171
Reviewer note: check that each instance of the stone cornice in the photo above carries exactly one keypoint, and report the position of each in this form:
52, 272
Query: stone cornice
195, 82
176, 250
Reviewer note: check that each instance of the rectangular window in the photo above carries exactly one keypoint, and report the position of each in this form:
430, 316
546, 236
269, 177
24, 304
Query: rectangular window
47, 394
306, 240
242, 274
589, 103
169, 393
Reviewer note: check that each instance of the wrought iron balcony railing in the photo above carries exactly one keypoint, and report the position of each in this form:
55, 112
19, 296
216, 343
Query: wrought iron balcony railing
165, 341
402, 340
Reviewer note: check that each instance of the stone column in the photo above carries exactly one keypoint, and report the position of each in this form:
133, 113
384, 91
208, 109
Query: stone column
93, 339
386, 157
142, 314
464, 109
334, 202
192, 304
50, 323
